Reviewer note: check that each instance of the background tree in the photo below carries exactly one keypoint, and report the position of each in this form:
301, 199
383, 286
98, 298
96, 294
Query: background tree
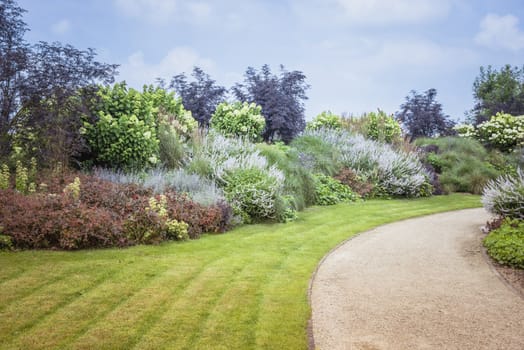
421, 116
201, 96
42, 102
14, 52
497, 91
281, 97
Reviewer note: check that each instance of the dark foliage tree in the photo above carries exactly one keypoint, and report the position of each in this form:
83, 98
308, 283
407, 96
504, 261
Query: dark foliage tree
497, 91
42, 102
14, 53
281, 97
421, 116
201, 96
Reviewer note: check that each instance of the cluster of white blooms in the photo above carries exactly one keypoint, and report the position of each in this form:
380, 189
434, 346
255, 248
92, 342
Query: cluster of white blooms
503, 131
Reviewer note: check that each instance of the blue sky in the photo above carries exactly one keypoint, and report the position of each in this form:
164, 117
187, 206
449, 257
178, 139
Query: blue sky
358, 55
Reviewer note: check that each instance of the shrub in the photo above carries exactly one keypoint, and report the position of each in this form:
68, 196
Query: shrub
377, 126
329, 191
172, 149
253, 193
503, 132
5, 177
506, 244
394, 173
505, 196
299, 187
5, 241
325, 120
351, 179
198, 188
104, 215
461, 164
317, 155
124, 134
239, 119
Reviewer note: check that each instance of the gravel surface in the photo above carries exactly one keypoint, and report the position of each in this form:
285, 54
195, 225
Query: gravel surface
415, 284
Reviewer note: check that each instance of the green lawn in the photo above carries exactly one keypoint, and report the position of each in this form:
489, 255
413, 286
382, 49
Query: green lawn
244, 289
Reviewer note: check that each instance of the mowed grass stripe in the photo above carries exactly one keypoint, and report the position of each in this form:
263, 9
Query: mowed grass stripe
245, 289
92, 306
181, 318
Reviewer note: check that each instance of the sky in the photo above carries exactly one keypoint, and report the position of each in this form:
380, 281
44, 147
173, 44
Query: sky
357, 55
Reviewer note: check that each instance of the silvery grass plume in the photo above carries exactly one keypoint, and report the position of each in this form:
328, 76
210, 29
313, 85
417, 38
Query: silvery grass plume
199, 189
226, 154
400, 173
505, 195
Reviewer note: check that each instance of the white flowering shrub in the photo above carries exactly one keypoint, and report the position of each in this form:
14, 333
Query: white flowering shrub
503, 131
505, 196
239, 119
397, 173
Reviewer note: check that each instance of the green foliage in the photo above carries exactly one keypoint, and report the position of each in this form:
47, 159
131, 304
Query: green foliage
329, 191
325, 120
124, 136
252, 193
23, 177
239, 119
461, 164
172, 148
317, 155
5, 177
169, 110
6, 243
72, 190
498, 91
381, 127
298, 182
506, 244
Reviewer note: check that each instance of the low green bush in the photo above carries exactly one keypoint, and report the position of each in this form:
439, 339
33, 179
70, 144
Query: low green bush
462, 164
377, 126
329, 191
325, 120
506, 244
252, 193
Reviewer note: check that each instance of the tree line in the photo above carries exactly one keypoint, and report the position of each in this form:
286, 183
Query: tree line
47, 88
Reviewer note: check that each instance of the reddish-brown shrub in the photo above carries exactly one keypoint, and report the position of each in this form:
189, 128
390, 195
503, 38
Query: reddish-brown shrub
106, 214
350, 178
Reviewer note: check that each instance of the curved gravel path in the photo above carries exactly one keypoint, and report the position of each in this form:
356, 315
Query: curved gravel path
416, 284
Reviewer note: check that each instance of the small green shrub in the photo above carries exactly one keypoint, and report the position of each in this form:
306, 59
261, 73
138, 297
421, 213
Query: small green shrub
253, 194
329, 191
317, 155
462, 164
239, 119
377, 126
506, 244
6, 242
325, 120
5, 177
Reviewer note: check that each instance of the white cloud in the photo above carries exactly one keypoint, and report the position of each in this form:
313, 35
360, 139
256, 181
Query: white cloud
500, 32
137, 72
393, 11
61, 27
160, 11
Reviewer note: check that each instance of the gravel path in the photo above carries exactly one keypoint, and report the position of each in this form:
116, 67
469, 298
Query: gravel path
416, 284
